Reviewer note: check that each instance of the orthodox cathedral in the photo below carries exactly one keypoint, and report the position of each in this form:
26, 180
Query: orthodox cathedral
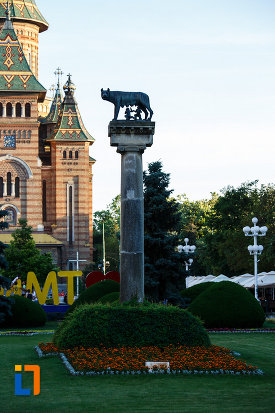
45, 167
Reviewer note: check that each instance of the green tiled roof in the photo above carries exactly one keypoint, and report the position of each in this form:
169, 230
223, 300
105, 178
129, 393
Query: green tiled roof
70, 126
52, 116
24, 10
15, 73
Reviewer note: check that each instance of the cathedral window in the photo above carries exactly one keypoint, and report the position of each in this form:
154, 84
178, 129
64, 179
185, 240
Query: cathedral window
9, 109
64, 154
70, 213
1, 187
18, 110
8, 184
17, 187
1, 109
28, 110
70, 155
19, 134
24, 134
29, 134
76, 154
44, 200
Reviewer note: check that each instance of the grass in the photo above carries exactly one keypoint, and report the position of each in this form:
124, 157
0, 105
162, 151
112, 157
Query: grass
61, 392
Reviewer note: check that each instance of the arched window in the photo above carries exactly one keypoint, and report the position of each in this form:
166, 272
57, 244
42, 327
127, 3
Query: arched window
1, 109
8, 184
24, 134
19, 134
70, 155
9, 109
29, 134
44, 200
64, 154
11, 218
28, 110
1, 187
76, 154
17, 187
18, 110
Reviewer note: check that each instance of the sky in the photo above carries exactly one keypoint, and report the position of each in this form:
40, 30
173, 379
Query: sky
208, 67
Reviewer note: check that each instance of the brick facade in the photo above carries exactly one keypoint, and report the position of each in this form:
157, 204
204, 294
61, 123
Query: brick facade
44, 179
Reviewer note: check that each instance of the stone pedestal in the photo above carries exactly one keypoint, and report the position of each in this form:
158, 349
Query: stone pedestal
131, 139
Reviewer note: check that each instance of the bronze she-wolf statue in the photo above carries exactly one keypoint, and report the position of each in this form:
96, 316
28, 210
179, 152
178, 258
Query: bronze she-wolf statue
121, 99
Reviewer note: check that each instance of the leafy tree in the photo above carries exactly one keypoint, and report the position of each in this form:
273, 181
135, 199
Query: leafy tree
23, 256
3, 225
221, 244
164, 272
110, 217
5, 302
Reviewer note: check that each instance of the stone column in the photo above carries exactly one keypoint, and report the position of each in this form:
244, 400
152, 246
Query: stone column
131, 139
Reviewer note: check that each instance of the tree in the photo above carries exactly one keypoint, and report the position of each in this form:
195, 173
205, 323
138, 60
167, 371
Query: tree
110, 217
23, 256
221, 245
164, 273
5, 302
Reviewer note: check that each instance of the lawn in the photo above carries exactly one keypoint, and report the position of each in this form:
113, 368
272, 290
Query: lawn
61, 392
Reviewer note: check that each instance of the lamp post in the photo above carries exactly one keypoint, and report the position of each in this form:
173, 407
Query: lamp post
188, 249
255, 249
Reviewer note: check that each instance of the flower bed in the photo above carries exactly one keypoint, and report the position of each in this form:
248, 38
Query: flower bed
131, 360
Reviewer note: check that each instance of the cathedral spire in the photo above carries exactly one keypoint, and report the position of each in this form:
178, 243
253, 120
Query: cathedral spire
52, 116
23, 11
15, 73
70, 126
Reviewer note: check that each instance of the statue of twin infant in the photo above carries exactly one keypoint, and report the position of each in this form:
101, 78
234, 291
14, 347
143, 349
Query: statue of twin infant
128, 99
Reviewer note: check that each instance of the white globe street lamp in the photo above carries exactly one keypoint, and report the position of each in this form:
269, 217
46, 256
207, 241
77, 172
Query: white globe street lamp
255, 249
188, 249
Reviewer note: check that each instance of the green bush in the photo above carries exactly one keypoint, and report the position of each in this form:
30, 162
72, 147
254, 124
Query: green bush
226, 304
193, 292
109, 298
95, 292
110, 326
25, 313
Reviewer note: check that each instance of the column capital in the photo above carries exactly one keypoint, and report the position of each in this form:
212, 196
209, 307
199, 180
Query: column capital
131, 136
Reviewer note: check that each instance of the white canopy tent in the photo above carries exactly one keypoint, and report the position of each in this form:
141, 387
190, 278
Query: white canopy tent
265, 280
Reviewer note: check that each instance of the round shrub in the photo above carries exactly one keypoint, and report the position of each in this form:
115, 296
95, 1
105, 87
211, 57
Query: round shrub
110, 326
226, 304
109, 298
195, 290
95, 292
26, 313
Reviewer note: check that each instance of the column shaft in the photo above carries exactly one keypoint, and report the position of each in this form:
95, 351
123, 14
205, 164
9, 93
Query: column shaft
132, 227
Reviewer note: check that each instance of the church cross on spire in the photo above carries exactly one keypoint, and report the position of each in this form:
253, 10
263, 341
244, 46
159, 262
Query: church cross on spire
58, 73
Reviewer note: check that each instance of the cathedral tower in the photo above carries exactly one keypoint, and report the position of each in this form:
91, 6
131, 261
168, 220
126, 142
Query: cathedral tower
45, 167
28, 22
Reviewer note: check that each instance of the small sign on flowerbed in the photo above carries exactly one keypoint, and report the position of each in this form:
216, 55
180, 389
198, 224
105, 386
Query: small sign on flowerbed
132, 360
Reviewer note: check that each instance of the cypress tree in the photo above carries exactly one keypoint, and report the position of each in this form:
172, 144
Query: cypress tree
164, 272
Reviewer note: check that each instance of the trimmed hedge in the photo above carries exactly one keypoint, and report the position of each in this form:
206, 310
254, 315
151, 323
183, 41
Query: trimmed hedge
195, 290
25, 313
109, 298
95, 292
110, 326
226, 304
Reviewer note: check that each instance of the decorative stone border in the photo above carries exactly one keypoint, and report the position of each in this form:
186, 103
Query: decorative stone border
25, 333
110, 372
243, 331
